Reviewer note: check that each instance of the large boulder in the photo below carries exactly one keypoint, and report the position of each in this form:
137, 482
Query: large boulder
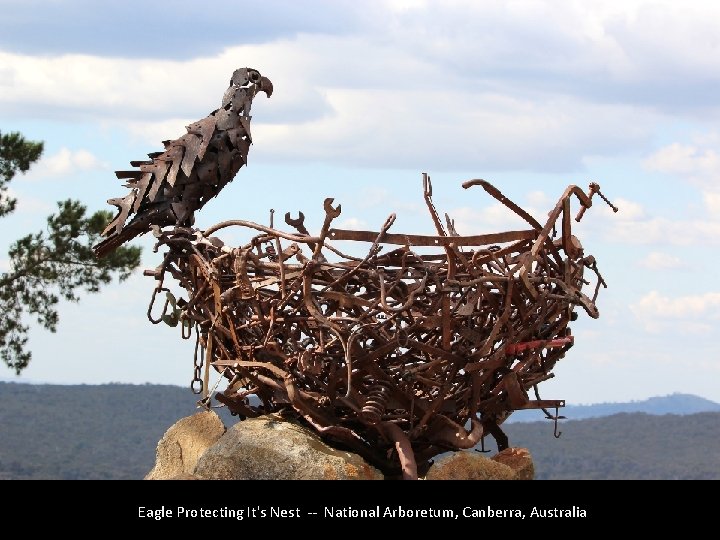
182, 445
273, 448
469, 466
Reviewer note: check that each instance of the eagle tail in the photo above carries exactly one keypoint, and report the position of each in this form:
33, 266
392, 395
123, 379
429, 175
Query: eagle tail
159, 214
115, 240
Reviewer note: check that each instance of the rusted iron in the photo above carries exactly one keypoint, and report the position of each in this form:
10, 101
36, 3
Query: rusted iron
168, 188
424, 344
398, 349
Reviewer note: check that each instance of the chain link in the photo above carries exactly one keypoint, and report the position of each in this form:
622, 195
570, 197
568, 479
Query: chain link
196, 385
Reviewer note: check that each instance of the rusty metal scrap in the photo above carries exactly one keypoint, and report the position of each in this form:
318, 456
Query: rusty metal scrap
169, 187
398, 355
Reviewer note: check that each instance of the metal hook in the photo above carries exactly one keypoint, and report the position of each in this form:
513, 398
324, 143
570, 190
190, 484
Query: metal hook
557, 433
152, 303
555, 419
482, 447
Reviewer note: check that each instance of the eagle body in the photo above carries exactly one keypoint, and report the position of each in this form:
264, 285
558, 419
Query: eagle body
171, 185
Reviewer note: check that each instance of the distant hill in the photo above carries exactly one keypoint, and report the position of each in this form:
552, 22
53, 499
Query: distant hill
110, 432
85, 431
680, 404
628, 446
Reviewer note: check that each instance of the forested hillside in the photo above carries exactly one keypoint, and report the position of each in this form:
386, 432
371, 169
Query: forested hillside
110, 432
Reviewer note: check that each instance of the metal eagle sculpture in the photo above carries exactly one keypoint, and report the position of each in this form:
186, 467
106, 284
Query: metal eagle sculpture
168, 188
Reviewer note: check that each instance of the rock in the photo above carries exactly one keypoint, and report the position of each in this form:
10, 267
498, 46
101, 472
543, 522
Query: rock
181, 476
182, 445
273, 448
469, 466
518, 459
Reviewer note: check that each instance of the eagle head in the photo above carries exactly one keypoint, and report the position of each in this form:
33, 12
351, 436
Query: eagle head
246, 83
249, 76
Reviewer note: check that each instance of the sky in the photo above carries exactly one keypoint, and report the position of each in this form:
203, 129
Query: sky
530, 95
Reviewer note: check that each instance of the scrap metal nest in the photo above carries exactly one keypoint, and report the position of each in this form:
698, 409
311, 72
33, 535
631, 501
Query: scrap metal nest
397, 355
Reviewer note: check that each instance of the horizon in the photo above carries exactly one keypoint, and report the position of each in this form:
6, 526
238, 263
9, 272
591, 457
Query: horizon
570, 404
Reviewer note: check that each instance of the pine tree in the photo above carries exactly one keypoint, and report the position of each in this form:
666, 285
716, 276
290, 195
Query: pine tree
51, 264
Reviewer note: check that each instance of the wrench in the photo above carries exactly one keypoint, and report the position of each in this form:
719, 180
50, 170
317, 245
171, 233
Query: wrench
330, 214
299, 225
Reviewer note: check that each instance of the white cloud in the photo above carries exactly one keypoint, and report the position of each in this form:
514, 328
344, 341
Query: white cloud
373, 196
154, 132
686, 160
468, 85
634, 225
609, 49
65, 162
28, 204
497, 217
656, 260
665, 34
352, 223
697, 163
539, 199
442, 129
628, 210
659, 230
692, 313
712, 202
707, 304
489, 219
399, 101
401, 6
148, 90
607, 45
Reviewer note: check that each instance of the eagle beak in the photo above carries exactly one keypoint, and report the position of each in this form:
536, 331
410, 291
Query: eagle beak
266, 86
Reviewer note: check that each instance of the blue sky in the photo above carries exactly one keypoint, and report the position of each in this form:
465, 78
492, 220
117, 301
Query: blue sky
532, 96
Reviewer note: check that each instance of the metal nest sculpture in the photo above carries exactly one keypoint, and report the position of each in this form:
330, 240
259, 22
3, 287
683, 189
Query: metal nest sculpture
398, 355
